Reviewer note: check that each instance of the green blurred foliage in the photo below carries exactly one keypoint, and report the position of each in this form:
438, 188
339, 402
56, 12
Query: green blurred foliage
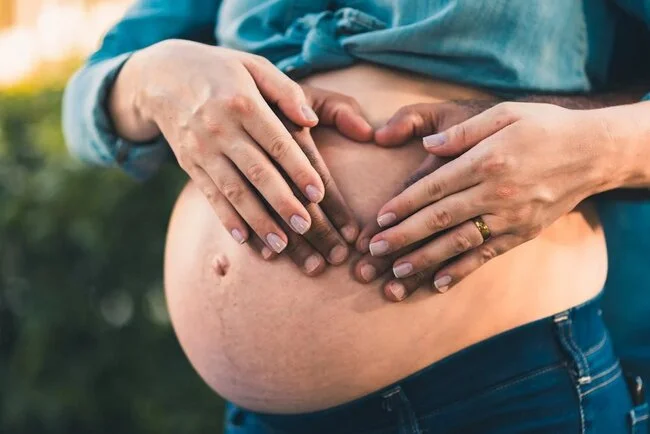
85, 341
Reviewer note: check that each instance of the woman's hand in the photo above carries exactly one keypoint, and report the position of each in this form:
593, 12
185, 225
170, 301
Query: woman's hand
214, 107
519, 167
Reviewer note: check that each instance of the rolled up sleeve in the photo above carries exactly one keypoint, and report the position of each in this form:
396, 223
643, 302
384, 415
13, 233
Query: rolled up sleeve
87, 126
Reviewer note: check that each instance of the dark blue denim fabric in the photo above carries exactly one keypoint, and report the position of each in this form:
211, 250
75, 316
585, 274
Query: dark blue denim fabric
556, 375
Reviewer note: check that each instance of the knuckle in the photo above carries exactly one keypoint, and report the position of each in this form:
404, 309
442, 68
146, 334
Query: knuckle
240, 104
506, 191
321, 230
487, 253
496, 164
233, 191
460, 242
257, 173
279, 146
438, 219
434, 189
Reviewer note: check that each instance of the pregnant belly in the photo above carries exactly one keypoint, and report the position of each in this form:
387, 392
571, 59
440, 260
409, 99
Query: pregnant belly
270, 339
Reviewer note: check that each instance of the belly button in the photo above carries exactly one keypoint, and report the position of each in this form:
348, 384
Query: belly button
220, 264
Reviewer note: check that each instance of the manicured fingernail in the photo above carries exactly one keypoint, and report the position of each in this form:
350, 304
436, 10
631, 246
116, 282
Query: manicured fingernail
238, 236
299, 224
276, 243
402, 270
363, 244
434, 140
368, 272
338, 254
312, 263
386, 219
349, 233
313, 194
309, 113
266, 252
442, 284
398, 290
378, 247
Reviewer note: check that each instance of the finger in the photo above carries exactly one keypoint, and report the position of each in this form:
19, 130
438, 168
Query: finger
400, 289
369, 268
280, 90
260, 247
240, 195
266, 129
342, 112
333, 204
226, 214
415, 120
462, 267
452, 177
465, 135
444, 214
304, 255
268, 181
448, 245
325, 238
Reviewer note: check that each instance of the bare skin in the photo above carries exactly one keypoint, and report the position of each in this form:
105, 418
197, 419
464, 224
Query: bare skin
271, 339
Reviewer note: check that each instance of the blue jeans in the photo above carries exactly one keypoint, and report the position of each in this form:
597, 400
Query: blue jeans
555, 375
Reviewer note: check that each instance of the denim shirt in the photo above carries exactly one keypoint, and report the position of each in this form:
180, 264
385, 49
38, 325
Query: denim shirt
505, 46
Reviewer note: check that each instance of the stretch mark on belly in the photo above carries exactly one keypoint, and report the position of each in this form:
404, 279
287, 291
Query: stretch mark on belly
220, 264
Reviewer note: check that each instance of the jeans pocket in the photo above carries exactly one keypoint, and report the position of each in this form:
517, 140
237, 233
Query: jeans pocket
639, 416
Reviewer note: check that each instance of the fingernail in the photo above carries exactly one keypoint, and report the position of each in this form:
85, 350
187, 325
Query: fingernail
312, 263
368, 272
434, 140
313, 194
363, 245
276, 243
237, 235
309, 113
338, 254
349, 232
398, 290
386, 219
402, 270
266, 252
299, 224
442, 284
378, 247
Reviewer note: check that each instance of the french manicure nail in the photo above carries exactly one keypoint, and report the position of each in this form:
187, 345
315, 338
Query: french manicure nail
386, 219
276, 243
309, 113
237, 235
349, 233
378, 248
434, 140
338, 254
299, 224
312, 263
266, 253
313, 194
442, 284
402, 270
368, 272
398, 290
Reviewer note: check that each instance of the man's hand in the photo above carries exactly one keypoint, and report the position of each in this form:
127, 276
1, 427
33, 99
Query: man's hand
518, 166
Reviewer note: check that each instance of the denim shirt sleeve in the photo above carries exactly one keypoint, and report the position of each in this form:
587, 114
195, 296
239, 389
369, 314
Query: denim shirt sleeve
641, 10
88, 130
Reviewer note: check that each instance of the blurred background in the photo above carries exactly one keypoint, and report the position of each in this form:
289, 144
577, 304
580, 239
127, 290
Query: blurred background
85, 340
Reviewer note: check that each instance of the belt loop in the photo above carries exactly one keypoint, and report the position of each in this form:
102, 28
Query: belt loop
395, 399
564, 329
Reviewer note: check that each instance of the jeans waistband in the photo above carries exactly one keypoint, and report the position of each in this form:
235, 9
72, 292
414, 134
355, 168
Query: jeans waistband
565, 338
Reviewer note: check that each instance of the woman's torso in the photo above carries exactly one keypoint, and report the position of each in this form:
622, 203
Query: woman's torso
271, 339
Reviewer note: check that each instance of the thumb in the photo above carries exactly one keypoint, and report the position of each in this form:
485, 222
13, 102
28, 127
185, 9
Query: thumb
340, 111
465, 135
410, 121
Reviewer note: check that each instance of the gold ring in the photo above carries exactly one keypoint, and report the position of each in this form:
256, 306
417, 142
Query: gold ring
482, 228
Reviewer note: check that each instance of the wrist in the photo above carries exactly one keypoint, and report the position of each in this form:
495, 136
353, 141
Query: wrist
127, 104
